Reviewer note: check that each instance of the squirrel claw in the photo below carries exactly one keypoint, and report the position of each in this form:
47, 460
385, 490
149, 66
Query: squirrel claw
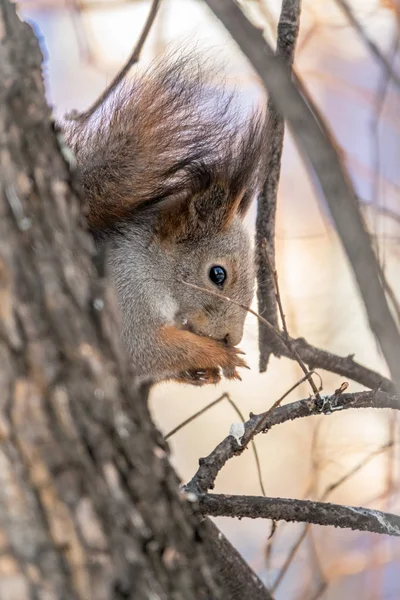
199, 377
239, 351
231, 373
241, 363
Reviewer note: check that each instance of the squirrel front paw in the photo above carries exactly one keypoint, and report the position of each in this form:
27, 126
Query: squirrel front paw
198, 360
228, 359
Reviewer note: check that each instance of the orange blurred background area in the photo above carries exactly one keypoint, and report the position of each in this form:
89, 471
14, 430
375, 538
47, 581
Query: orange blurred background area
84, 44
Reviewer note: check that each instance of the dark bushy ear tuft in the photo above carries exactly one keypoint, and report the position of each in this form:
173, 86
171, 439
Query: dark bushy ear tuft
173, 142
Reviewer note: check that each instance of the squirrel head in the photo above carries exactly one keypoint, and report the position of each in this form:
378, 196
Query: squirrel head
173, 156
209, 254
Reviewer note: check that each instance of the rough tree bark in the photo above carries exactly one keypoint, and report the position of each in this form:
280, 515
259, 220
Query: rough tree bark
90, 508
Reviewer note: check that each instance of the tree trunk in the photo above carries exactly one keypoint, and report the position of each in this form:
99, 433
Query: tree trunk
90, 507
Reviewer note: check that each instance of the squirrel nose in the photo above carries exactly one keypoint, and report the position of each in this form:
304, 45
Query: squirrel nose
233, 338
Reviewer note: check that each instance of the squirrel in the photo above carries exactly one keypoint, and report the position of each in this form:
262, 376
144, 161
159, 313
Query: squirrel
169, 170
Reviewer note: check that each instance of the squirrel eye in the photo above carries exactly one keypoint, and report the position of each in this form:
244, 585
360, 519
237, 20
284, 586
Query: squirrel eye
217, 275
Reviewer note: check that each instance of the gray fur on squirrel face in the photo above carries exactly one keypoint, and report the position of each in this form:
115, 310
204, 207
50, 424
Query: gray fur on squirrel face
169, 173
149, 277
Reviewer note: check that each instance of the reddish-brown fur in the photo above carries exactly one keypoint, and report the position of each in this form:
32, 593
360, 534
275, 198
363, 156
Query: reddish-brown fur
187, 349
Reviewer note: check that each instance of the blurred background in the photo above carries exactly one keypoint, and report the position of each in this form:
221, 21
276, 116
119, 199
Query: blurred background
85, 42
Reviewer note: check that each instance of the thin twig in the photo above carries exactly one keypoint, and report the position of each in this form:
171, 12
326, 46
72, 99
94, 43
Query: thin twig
311, 486
288, 29
383, 210
275, 283
295, 547
260, 424
132, 60
253, 445
319, 591
360, 465
194, 416
239, 413
317, 568
288, 340
290, 557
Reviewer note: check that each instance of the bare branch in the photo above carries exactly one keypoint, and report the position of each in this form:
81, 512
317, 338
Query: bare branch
344, 366
300, 511
288, 28
132, 60
317, 142
209, 467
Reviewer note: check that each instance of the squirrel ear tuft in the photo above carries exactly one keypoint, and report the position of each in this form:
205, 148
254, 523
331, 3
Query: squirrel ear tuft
220, 187
202, 215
